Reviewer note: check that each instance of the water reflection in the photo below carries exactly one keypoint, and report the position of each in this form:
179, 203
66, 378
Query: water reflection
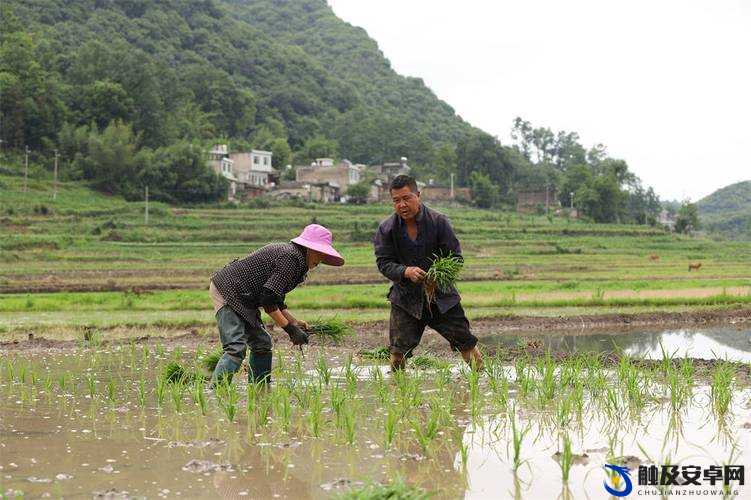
729, 342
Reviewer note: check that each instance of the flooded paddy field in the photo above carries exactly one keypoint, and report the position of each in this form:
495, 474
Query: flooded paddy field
725, 342
541, 420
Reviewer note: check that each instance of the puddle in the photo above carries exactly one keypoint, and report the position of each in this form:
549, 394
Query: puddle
708, 343
96, 424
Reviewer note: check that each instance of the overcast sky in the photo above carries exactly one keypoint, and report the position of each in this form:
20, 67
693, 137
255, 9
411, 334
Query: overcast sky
665, 85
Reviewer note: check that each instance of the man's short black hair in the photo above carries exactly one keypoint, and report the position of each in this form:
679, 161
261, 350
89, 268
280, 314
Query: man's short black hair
402, 180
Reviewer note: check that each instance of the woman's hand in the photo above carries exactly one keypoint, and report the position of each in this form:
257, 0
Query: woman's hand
302, 324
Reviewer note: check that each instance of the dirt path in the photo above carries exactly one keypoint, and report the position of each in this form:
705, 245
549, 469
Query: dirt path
375, 334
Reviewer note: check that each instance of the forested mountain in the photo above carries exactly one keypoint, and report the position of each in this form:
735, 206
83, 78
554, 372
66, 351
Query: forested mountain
728, 210
195, 69
393, 102
132, 92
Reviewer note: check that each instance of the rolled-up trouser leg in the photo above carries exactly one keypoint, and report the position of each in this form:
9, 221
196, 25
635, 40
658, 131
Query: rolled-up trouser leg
405, 332
234, 343
225, 368
453, 325
261, 346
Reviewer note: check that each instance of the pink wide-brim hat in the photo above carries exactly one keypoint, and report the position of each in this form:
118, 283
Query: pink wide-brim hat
318, 238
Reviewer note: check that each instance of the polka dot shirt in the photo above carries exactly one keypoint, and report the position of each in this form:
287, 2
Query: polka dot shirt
278, 267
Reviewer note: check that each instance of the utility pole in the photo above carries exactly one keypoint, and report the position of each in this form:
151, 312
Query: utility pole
571, 197
452, 186
54, 193
146, 213
26, 172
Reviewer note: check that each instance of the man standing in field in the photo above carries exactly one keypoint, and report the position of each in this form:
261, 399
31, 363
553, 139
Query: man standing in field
262, 279
405, 246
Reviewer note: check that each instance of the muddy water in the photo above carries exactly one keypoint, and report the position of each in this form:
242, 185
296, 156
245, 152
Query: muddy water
64, 442
690, 437
728, 342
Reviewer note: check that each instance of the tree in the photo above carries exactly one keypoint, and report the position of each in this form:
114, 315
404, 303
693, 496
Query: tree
179, 173
31, 109
231, 107
104, 101
600, 198
687, 219
521, 132
577, 177
282, 153
567, 151
610, 199
111, 159
146, 81
642, 206
483, 153
319, 147
484, 192
375, 137
192, 123
358, 193
444, 163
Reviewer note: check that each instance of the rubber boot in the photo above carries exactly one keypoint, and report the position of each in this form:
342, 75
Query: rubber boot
260, 367
225, 368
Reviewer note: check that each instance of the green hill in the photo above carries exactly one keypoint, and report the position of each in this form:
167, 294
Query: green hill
181, 69
348, 52
132, 92
728, 210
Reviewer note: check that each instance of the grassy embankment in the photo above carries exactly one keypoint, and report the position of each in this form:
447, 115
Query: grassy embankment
89, 259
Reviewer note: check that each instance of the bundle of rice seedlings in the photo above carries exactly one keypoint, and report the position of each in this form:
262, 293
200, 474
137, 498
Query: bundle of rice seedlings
397, 490
428, 362
210, 360
379, 354
173, 373
333, 328
442, 275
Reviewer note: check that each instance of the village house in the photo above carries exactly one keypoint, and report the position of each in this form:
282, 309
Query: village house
436, 192
254, 168
533, 201
384, 174
221, 164
322, 192
339, 176
249, 174
666, 220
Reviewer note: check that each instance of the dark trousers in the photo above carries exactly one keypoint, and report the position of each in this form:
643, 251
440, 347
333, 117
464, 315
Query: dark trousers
237, 335
405, 331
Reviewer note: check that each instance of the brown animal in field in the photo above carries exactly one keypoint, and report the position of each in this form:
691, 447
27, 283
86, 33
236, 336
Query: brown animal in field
535, 344
654, 257
497, 274
694, 265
